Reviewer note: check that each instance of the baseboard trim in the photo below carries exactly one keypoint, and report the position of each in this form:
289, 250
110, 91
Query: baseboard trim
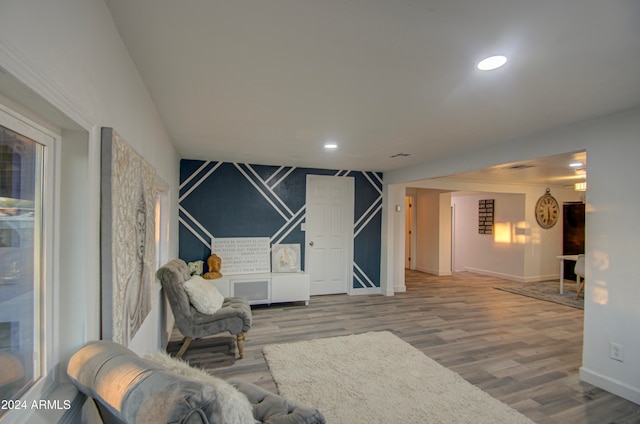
613, 386
516, 278
368, 290
433, 271
399, 289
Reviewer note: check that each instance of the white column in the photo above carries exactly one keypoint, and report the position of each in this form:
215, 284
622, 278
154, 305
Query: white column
392, 260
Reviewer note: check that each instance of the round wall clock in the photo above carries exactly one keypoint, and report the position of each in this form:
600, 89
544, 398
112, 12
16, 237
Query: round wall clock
547, 210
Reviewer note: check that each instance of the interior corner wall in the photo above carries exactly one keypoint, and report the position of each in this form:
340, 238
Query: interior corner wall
393, 239
538, 247
69, 56
444, 244
500, 254
433, 224
612, 231
223, 199
75, 187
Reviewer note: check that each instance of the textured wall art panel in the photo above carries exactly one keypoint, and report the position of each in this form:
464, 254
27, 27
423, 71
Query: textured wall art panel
127, 238
223, 199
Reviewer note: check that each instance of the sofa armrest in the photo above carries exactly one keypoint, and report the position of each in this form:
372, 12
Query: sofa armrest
269, 408
136, 390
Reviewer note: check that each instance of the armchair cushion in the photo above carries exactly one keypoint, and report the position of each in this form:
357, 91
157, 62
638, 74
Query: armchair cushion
203, 295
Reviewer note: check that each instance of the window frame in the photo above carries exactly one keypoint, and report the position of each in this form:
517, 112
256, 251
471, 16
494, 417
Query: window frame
48, 293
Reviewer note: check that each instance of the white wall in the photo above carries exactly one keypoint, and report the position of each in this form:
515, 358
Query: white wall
499, 254
392, 249
531, 251
612, 311
427, 231
78, 74
433, 232
72, 218
444, 235
612, 231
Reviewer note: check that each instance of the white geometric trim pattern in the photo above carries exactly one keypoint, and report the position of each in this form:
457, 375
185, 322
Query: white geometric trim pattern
292, 220
204, 177
266, 191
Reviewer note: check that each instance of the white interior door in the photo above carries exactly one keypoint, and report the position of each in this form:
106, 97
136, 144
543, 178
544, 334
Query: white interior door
329, 233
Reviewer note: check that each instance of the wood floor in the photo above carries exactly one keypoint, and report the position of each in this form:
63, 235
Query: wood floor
522, 351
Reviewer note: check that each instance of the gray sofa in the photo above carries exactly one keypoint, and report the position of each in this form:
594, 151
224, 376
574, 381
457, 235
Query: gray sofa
127, 388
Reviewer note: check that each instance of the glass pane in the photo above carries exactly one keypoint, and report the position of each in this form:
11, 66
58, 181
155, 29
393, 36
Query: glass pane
20, 253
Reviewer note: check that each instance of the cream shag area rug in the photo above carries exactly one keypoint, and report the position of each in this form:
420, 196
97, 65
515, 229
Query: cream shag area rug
378, 378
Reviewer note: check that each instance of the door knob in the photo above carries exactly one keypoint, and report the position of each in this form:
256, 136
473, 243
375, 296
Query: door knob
311, 243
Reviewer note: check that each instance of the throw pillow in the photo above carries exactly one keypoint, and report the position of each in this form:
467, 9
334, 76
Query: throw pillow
234, 405
203, 295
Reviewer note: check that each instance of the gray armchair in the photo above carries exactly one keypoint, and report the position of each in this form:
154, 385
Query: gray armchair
234, 316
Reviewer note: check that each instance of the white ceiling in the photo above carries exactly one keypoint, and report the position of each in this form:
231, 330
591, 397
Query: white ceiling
269, 81
551, 170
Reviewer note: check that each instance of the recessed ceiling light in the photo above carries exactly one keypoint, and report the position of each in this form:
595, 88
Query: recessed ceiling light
330, 145
491, 63
576, 164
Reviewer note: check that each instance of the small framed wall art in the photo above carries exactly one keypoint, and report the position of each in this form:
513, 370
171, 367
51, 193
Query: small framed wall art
485, 216
285, 258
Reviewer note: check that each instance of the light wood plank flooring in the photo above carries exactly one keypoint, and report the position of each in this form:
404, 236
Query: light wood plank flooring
523, 351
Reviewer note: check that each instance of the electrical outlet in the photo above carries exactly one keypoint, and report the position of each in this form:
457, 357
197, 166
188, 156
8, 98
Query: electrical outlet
616, 351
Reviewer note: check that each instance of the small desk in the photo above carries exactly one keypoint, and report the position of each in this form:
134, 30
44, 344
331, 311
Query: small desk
562, 259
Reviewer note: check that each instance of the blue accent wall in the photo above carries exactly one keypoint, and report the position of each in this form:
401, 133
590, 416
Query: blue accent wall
224, 199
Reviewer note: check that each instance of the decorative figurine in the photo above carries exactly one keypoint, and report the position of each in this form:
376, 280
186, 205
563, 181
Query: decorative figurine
214, 262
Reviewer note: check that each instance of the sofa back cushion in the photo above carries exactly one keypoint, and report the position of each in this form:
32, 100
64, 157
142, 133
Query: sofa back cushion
137, 390
172, 276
